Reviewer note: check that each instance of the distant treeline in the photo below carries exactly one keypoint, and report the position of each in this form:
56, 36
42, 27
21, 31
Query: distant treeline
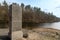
4, 19
29, 15
36, 15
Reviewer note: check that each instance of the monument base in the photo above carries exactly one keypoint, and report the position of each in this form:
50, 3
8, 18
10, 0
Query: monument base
17, 35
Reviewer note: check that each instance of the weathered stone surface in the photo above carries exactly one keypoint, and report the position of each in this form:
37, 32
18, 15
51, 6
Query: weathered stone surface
16, 17
15, 12
17, 35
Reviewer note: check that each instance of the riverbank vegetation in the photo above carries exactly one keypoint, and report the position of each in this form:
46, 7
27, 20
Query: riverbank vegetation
34, 15
4, 15
30, 15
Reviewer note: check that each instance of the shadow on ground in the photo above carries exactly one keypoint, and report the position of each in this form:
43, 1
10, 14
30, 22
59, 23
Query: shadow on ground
5, 37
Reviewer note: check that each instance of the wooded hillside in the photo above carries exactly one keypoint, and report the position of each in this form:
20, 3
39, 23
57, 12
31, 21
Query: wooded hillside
29, 15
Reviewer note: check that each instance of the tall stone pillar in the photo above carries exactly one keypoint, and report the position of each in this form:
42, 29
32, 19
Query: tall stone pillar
15, 12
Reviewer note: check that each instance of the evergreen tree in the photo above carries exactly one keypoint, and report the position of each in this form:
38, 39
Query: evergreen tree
5, 4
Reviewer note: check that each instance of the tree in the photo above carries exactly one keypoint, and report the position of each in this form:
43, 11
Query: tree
28, 7
5, 4
36, 9
36, 15
22, 5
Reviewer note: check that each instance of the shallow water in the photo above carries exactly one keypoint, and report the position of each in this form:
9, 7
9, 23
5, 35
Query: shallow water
55, 25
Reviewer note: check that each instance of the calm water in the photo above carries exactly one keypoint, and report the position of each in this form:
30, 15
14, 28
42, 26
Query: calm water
55, 25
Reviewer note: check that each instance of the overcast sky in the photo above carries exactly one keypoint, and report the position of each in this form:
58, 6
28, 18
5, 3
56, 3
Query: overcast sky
45, 5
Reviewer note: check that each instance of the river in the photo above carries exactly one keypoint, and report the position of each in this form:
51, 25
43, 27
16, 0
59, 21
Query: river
55, 25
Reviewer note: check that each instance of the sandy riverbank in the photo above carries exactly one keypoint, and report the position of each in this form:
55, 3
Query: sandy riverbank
42, 34
36, 34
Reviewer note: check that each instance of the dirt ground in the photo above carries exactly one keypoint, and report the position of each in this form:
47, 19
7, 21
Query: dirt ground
4, 34
36, 34
4, 31
41, 34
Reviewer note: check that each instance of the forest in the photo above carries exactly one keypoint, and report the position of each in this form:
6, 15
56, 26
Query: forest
36, 15
29, 15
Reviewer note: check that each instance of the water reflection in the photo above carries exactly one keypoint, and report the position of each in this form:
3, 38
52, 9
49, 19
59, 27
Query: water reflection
55, 25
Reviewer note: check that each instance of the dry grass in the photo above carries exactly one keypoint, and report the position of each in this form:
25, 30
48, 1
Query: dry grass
43, 34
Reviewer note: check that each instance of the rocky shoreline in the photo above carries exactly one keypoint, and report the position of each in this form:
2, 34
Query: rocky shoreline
39, 34
42, 34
